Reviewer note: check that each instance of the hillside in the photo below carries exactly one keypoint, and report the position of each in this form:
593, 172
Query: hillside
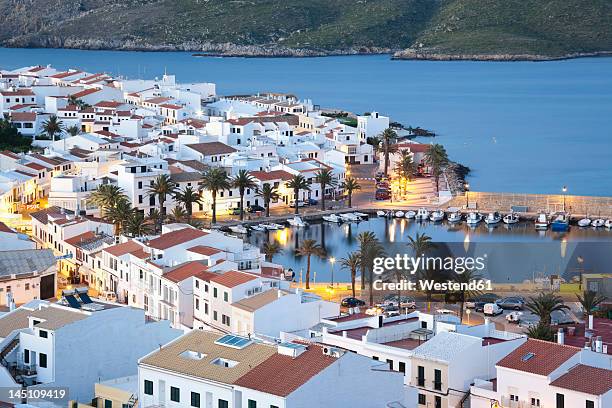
425, 28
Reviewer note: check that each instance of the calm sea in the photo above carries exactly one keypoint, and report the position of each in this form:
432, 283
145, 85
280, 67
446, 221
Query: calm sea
520, 126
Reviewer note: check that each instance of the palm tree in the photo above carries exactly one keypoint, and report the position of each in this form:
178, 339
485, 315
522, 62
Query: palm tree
352, 262
375, 142
325, 177
370, 248
420, 244
297, 183
437, 159
178, 214
269, 193
270, 249
105, 196
405, 168
214, 180
161, 187
350, 185
155, 219
544, 304
73, 130
309, 247
136, 225
388, 138
119, 213
242, 181
464, 279
364, 238
188, 197
541, 332
589, 301
53, 126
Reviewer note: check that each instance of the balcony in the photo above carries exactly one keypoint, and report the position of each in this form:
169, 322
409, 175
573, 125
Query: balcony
420, 381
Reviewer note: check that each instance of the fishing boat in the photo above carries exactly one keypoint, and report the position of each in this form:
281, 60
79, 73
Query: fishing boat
493, 218
608, 224
473, 218
584, 222
422, 214
332, 218
542, 221
454, 216
349, 217
381, 213
436, 216
257, 227
239, 229
598, 223
560, 222
297, 222
399, 214
410, 214
511, 218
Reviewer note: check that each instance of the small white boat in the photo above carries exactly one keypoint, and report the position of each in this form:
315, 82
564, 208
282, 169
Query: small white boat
473, 218
511, 218
361, 215
332, 218
542, 221
422, 214
437, 216
585, 222
399, 214
257, 227
608, 224
381, 213
493, 218
598, 223
454, 216
239, 229
410, 214
349, 217
297, 222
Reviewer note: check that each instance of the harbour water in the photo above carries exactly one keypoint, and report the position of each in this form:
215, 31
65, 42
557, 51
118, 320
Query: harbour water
520, 126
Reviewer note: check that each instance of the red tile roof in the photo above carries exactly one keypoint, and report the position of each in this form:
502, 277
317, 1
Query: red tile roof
601, 327
186, 270
5, 228
281, 375
66, 74
171, 106
177, 237
18, 92
79, 238
85, 92
36, 166
158, 100
272, 175
23, 116
204, 250
231, 279
124, 248
586, 379
9, 154
211, 148
546, 358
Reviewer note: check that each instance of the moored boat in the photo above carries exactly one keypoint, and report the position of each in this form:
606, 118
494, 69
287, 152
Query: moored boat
297, 222
608, 224
584, 222
332, 218
399, 214
454, 216
361, 215
410, 214
598, 222
542, 221
436, 216
560, 222
473, 218
493, 218
257, 227
511, 218
239, 229
422, 214
381, 213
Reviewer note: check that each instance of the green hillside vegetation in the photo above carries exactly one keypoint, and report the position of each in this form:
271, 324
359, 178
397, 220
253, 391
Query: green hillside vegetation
291, 27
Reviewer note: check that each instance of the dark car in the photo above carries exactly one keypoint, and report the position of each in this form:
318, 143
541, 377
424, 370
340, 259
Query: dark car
255, 208
352, 302
382, 194
489, 297
312, 201
479, 306
513, 303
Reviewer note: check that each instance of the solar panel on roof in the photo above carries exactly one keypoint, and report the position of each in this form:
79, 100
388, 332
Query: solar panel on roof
528, 356
85, 298
233, 341
72, 301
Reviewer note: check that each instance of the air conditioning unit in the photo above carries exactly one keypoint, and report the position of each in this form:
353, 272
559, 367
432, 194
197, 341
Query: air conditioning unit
333, 352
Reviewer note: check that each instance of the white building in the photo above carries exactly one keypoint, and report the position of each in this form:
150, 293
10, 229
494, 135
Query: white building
371, 125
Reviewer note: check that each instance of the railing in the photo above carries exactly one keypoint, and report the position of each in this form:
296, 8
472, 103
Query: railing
420, 381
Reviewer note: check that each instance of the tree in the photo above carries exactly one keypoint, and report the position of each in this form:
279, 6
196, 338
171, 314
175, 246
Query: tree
161, 187
137, 226
349, 185
178, 214
541, 331
270, 249
119, 214
388, 138
297, 183
214, 180
309, 247
11, 139
370, 248
188, 197
73, 130
405, 168
269, 193
106, 196
544, 304
325, 178
375, 142
437, 159
590, 300
155, 219
364, 239
242, 181
53, 126
464, 279
352, 263
420, 244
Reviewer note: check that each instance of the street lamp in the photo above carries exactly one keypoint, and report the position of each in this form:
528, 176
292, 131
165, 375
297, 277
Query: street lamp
564, 189
467, 194
332, 261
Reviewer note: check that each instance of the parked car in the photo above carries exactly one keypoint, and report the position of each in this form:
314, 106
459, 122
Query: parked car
492, 309
488, 297
352, 302
512, 303
234, 211
374, 311
382, 194
255, 208
391, 300
470, 303
514, 317
312, 201
479, 306
300, 203
391, 311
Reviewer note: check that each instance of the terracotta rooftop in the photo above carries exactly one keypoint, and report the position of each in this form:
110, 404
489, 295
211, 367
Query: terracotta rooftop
42, 216
258, 301
23, 116
601, 327
211, 148
80, 238
347, 318
538, 357
124, 248
586, 379
204, 250
185, 270
281, 375
170, 239
5, 228
231, 279
272, 175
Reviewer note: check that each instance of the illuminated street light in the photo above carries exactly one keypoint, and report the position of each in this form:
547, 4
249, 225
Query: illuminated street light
467, 194
564, 189
332, 261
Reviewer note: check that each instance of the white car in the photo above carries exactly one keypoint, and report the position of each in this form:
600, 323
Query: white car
492, 309
300, 203
514, 317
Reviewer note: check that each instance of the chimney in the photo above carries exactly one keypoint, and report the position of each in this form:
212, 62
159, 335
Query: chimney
487, 324
598, 344
561, 336
380, 321
279, 294
590, 322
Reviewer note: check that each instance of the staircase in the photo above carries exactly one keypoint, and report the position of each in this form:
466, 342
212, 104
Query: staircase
132, 402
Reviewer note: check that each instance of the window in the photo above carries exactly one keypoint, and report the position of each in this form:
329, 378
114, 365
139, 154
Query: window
223, 404
197, 283
108, 403
197, 304
148, 387
402, 367
390, 362
422, 399
175, 394
513, 397
26, 356
43, 334
225, 296
421, 376
205, 308
438, 403
215, 315
205, 286
42, 360
590, 404
214, 292
252, 404
195, 399
535, 402
560, 401
438, 380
